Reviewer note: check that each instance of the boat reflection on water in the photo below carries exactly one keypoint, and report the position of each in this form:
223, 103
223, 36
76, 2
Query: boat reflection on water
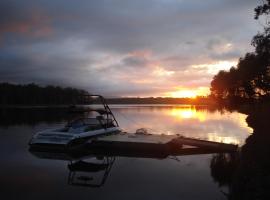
92, 166
242, 175
81, 172
84, 169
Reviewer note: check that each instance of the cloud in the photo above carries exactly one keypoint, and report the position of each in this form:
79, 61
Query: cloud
16, 18
121, 47
133, 61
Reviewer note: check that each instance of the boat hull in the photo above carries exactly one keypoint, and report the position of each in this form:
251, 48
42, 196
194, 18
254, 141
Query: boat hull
59, 141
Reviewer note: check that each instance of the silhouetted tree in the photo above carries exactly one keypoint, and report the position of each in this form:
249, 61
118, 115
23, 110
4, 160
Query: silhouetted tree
250, 79
262, 9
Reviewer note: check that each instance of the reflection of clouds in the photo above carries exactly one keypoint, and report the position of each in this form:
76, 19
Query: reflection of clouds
224, 139
188, 121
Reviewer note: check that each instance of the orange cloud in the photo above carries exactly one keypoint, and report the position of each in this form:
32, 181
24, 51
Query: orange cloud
37, 25
141, 53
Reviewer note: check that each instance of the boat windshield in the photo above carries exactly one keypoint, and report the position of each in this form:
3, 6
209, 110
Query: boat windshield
82, 122
91, 122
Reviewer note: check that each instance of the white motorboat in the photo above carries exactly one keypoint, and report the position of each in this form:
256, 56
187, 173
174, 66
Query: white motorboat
102, 122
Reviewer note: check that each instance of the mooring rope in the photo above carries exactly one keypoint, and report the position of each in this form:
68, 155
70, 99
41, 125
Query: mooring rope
140, 125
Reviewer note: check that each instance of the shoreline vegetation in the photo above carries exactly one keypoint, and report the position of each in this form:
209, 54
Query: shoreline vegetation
30, 95
249, 81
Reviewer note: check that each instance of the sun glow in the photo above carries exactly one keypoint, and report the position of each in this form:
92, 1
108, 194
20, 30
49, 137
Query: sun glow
183, 94
187, 113
189, 93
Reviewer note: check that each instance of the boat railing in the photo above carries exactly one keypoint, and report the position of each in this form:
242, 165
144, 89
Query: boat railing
104, 111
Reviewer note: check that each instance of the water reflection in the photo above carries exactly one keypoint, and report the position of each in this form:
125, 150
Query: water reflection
246, 174
137, 175
84, 169
33, 116
81, 173
203, 122
191, 112
91, 166
192, 121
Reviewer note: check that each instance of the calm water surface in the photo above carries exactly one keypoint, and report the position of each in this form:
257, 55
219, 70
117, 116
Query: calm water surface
27, 176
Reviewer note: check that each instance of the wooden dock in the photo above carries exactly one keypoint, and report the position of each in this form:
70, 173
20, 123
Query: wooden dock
204, 143
150, 145
138, 145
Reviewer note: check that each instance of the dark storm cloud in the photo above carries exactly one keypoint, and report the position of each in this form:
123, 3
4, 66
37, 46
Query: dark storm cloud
98, 45
134, 61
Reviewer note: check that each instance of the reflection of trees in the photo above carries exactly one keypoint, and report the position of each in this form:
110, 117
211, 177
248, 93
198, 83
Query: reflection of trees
247, 174
32, 94
249, 177
33, 116
222, 167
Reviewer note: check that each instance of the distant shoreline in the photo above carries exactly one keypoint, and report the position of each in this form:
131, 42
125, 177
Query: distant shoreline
127, 104
33, 95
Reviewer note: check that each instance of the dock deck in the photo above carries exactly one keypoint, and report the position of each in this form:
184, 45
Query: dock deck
134, 144
138, 138
139, 145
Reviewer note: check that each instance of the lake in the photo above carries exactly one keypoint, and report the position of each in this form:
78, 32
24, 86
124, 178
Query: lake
28, 176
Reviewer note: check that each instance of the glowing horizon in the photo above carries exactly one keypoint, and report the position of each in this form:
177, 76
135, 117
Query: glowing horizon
123, 49
189, 93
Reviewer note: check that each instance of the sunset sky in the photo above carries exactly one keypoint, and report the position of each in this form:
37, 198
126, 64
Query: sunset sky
124, 48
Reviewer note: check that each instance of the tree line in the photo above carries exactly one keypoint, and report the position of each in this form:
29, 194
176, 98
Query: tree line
249, 81
160, 100
32, 94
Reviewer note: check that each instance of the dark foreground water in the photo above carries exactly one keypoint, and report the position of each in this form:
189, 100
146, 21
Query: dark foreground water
244, 175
